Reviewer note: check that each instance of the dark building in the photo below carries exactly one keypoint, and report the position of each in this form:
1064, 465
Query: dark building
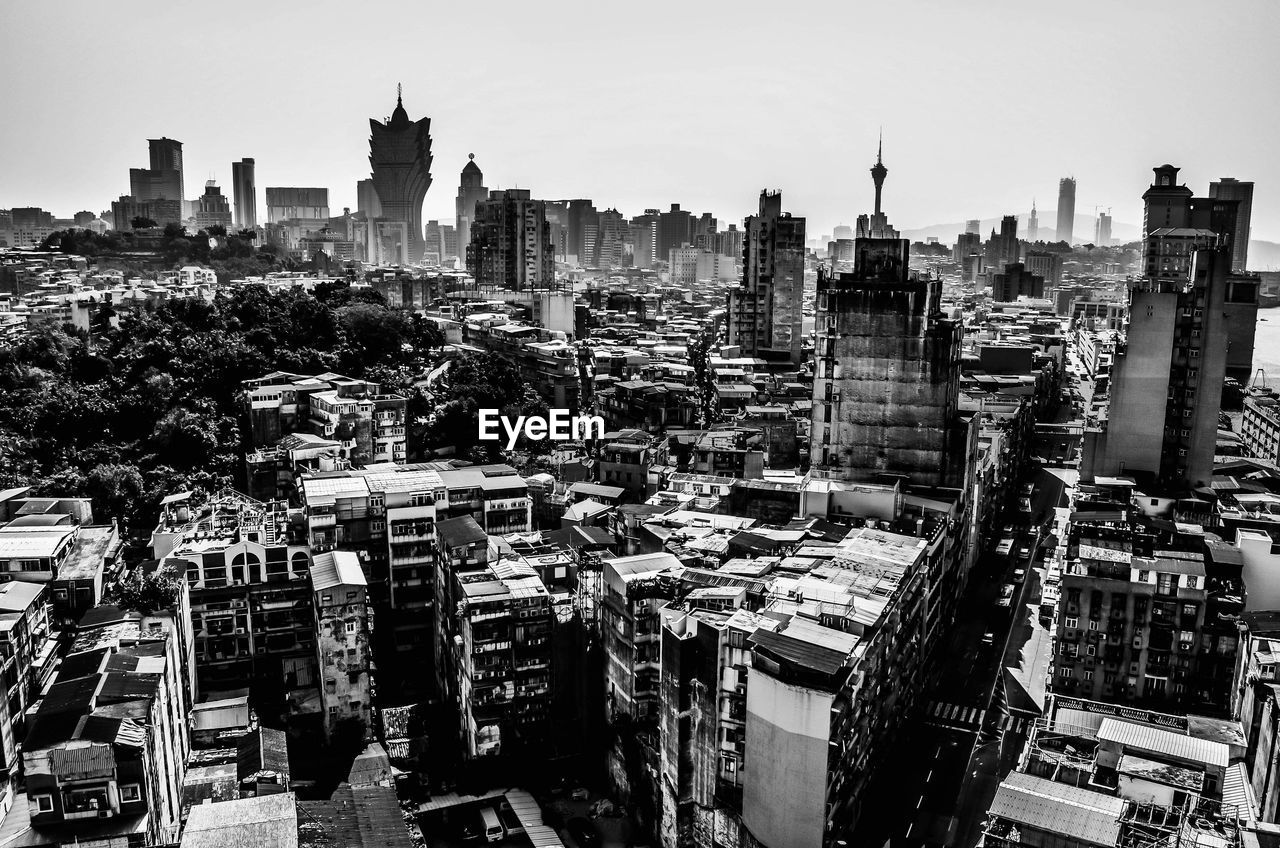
212, 209
1003, 248
1066, 208
510, 243
1016, 281
675, 229
245, 192
471, 191
765, 315
886, 388
400, 156
1229, 188
1166, 379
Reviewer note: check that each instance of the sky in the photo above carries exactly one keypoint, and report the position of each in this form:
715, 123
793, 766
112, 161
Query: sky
984, 106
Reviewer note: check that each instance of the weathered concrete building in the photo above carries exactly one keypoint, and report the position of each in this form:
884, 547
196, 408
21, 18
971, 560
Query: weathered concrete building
765, 315
886, 390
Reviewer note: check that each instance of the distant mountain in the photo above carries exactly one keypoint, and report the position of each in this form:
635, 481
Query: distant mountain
1048, 218
1264, 255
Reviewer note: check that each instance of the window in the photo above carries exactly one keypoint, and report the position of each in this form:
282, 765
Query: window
326, 599
1071, 623
1093, 625
351, 627
130, 792
44, 803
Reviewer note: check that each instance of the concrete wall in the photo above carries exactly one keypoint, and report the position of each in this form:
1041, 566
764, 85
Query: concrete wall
896, 374
1139, 389
784, 798
1261, 570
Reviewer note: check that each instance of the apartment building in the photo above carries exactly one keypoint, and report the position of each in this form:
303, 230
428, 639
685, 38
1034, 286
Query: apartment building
387, 514
500, 645
369, 424
246, 566
54, 541
342, 627
106, 752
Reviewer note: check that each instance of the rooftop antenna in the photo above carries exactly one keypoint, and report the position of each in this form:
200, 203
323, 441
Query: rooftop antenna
399, 92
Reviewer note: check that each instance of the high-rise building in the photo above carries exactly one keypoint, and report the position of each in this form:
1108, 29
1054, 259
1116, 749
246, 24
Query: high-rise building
1066, 208
1102, 230
308, 204
1014, 282
1033, 223
1003, 247
433, 244
510, 243
471, 191
367, 199
1166, 380
644, 238
973, 225
886, 389
212, 208
245, 191
675, 229
400, 156
1229, 188
765, 315
163, 179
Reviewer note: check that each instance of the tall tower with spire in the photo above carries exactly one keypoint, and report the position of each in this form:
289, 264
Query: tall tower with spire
876, 225
879, 171
400, 157
1033, 223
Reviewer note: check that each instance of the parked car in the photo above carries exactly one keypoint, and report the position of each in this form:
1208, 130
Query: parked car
1019, 574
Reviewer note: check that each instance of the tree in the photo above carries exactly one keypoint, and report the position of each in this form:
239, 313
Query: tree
141, 222
144, 593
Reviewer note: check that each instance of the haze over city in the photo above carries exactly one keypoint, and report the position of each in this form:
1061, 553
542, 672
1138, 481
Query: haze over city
646, 425
982, 107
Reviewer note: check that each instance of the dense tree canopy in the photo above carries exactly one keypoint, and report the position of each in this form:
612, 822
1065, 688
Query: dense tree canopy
152, 406
230, 256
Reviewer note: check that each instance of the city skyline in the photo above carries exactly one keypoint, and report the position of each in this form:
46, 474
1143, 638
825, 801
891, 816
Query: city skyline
949, 159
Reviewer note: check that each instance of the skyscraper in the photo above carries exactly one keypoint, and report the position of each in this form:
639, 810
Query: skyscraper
1102, 230
400, 156
1229, 188
245, 191
973, 225
212, 209
166, 155
765, 315
1066, 208
886, 389
510, 243
675, 228
471, 191
1166, 381
367, 199
1033, 223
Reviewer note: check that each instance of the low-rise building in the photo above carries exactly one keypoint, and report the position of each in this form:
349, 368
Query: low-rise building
106, 751
339, 598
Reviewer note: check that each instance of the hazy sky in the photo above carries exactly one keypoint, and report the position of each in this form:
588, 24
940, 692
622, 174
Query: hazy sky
640, 104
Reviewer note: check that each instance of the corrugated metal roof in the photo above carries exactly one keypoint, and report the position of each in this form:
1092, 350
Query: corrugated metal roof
1157, 741
1059, 808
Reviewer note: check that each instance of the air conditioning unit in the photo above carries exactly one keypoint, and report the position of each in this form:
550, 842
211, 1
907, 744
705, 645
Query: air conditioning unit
239, 631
